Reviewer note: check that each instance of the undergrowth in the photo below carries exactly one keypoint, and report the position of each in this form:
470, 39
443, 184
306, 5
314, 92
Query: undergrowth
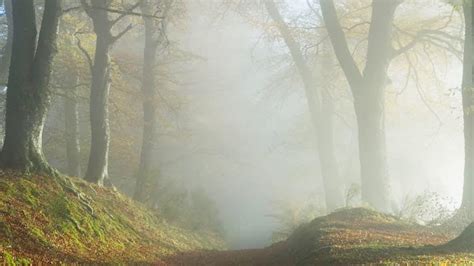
43, 221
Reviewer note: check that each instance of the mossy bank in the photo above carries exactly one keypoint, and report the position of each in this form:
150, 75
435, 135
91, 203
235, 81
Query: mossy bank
54, 220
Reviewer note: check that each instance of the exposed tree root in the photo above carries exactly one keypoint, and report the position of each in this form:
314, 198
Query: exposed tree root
70, 187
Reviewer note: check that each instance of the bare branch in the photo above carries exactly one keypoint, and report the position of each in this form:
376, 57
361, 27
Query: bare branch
125, 13
339, 41
129, 11
84, 51
118, 36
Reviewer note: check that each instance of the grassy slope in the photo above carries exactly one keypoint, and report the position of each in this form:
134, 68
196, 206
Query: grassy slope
43, 220
358, 236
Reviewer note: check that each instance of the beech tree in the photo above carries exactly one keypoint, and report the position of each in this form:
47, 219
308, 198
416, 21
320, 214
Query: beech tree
368, 91
468, 110
98, 11
7, 49
155, 30
28, 95
68, 77
320, 106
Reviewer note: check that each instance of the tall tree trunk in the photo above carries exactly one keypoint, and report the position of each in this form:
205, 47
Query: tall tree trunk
333, 183
7, 49
5, 62
97, 10
73, 147
320, 108
145, 179
28, 95
97, 169
468, 109
369, 105
368, 90
372, 152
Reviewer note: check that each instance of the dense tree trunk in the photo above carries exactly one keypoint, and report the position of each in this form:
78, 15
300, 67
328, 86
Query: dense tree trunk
465, 241
7, 49
97, 168
145, 173
468, 108
333, 183
73, 147
368, 91
372, 152
321, 111
5, 61
28, 95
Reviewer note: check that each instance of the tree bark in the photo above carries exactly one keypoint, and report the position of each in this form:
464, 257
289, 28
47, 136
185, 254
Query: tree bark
368, 91
97, 168
7, 49
468, 110
372, 152
5, 61
73, 147
145, 179
321, 112
28, 96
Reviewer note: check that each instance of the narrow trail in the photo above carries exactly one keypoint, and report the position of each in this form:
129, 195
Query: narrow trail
276, 254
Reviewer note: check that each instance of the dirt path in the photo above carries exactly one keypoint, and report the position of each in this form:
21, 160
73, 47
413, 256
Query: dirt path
276, 254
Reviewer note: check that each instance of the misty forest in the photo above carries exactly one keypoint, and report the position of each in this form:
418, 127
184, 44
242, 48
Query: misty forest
237, 132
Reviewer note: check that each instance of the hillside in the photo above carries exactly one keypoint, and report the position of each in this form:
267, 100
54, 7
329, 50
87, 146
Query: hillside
53, 220
347, 237
357, 236
66, 220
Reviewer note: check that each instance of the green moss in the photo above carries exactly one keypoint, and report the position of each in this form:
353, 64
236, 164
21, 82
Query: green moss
27, 192
59, 207
5, 233
10, 260
38, 234
70, 220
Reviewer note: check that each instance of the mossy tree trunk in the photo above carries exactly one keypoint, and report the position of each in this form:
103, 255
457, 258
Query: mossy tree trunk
28, 95
320, 109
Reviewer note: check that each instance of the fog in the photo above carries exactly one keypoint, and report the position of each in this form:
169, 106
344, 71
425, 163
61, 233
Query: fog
237, 132
234, 120
251, 144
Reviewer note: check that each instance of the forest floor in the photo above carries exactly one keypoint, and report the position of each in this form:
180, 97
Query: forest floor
348, 237
46, 220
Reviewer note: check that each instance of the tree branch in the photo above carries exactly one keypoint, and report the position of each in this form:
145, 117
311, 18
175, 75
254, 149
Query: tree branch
84, 51
129, 11
339, 41
118, 36
125, 13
